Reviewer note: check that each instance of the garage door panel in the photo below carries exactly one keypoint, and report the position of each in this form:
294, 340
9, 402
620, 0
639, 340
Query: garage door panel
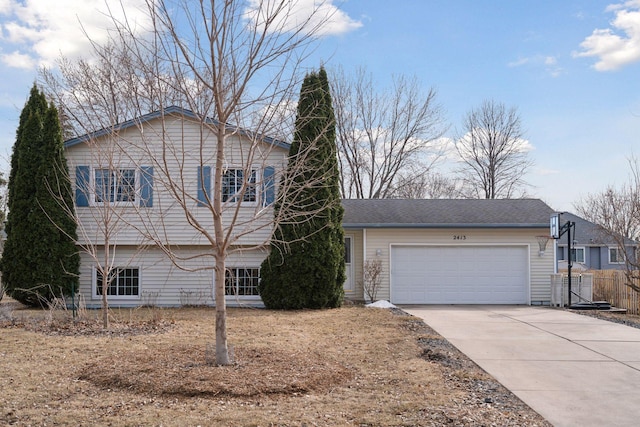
459, 274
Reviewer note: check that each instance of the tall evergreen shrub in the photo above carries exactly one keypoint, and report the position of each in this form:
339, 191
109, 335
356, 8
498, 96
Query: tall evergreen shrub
305, 268
40, 260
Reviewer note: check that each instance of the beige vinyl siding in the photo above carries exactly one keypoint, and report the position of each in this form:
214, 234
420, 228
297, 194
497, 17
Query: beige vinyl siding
136, 147
161, 282
540, 268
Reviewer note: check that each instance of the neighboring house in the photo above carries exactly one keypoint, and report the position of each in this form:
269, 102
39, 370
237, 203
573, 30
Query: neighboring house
593, 248
451, 251
432, 251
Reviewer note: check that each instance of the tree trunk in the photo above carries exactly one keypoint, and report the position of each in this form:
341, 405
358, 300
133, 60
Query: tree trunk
106, 274
105, 309
222, 350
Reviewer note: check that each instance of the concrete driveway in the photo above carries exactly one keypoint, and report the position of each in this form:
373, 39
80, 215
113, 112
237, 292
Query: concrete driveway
573, 370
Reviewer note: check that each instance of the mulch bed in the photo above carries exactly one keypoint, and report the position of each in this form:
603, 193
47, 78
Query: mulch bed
256, 372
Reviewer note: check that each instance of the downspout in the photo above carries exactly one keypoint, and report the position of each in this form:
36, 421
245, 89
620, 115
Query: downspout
364, 259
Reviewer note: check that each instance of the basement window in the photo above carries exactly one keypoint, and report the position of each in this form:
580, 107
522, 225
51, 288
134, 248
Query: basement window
240, 281
123, 282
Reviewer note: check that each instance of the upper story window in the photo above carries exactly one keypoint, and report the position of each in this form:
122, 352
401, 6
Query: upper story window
115, 185
233, 181
103, 186
258, 188
616, 256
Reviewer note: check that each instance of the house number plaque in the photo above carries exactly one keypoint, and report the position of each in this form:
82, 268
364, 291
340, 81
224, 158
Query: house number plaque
459, 237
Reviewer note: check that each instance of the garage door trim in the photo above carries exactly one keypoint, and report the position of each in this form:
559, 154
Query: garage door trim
526, 246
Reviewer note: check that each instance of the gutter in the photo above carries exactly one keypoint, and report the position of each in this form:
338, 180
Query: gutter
463, 225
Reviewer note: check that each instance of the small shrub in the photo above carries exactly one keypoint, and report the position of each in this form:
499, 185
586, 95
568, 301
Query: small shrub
372, 278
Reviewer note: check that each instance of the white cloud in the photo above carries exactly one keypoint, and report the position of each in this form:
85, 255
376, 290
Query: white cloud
519, 62
18, 60
321, 18
42, 31
520, 145
524, 145
446, 146
617, 46
546, 171
549, 63
5, 6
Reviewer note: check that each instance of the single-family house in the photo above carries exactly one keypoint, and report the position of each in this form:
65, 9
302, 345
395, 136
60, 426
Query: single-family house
431, 251
593, 248
133, 183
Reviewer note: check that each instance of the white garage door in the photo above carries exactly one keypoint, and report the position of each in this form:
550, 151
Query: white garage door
459, 275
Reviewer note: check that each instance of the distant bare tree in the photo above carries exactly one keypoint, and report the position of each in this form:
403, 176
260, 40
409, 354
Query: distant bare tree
382, 132
617, 212
493, 154
228, 63
106, 89
431, 185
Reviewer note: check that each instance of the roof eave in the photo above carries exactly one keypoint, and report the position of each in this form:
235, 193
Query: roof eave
463, 225
173, 110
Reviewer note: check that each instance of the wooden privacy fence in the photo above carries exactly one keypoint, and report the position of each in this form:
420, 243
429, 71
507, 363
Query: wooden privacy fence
610, 286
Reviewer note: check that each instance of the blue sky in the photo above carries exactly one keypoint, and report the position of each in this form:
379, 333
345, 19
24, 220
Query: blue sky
570, 67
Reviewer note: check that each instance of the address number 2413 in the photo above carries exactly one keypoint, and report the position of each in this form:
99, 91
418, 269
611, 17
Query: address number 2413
459, 237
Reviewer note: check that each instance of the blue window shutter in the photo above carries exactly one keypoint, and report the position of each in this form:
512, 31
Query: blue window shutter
268, 185
83, 176
204, 185
146, 186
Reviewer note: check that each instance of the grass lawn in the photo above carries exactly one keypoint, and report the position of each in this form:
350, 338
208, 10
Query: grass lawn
348, 366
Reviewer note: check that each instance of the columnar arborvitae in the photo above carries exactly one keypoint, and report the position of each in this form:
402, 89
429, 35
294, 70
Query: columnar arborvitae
39, 261
305, 268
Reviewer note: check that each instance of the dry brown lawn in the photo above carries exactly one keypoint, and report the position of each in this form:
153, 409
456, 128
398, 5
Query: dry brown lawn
348, 366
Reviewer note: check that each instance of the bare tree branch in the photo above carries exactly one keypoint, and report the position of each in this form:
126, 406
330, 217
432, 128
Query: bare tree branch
430, 185
381, 133
492, 151
227, 63
617, 212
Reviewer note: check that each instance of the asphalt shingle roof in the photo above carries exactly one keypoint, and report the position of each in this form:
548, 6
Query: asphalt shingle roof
587, 233
446, 213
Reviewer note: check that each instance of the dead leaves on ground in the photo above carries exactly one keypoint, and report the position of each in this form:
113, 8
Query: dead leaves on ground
180, 370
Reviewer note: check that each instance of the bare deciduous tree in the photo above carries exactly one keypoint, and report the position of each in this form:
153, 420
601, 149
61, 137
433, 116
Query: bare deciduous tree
228, 63
617, 212
100, 228
493, 153
616, 209
430, 185
106, 89
381, 132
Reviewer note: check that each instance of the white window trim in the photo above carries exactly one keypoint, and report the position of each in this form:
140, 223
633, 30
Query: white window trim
137, 190
94, 285
257, 184
621, 255
584, 254
242, 297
